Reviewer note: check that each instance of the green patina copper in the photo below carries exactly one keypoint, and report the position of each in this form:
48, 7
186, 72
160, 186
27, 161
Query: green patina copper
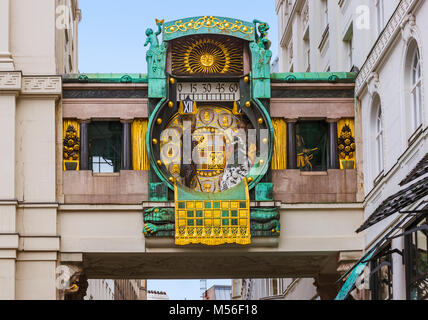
209, 25
158, 191
257, 172
236, 193
265, 222
339, 77
105, 78
160, 222
333, 77
261, 57
156, 63
264, 191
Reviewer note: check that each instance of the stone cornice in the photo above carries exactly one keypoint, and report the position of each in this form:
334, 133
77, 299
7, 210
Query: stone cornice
10, 81
385, 40
50, 85
30, 85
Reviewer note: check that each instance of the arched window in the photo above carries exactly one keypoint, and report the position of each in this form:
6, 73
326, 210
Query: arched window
416, 90
379, 140
413, 87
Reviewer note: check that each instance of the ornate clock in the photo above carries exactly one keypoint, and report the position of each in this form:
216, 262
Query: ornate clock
210, 136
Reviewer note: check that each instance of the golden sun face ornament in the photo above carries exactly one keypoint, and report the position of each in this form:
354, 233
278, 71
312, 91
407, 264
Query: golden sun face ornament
207, 60
204, 55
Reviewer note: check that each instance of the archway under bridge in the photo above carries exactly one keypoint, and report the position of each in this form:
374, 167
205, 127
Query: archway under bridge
311, 245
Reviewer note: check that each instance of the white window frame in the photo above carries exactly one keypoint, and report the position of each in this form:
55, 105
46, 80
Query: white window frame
350, 53
379, 140
325, 15
380, 15
416, 90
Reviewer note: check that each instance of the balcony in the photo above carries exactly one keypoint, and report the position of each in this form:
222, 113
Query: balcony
332, 186
124, 187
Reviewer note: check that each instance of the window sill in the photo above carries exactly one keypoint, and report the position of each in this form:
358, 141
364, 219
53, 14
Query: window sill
415, 136
378, 179
314, 173
110, 174
324, 38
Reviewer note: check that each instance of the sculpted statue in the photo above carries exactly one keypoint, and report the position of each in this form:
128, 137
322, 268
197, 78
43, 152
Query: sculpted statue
261, 55
262, 39
156, 55
158, 220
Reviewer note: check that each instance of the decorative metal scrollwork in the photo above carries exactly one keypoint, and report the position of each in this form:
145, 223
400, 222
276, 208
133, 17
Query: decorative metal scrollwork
209, 22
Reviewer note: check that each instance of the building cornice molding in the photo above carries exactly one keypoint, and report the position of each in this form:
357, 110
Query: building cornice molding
14, 81
401, 162
286, 35
50, 85
10, 81
393, 28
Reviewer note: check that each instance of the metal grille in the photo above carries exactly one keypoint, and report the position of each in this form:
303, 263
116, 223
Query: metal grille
397, 202
420, 169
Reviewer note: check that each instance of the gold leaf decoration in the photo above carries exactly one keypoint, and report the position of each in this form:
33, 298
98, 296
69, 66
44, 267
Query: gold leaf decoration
207, 55
208, 22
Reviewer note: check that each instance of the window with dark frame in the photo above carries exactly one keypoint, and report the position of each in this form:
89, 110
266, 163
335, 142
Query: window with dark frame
105, 146
381, 275
416, 244
312, 145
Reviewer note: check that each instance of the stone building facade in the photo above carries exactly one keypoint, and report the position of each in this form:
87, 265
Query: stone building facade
80, 200
383, 41
31, 60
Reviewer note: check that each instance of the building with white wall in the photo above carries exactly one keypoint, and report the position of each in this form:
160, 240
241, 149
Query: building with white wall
326, 35
100, 290
45, 222
34, 50
157, 295
105, 289
218, 292
384, 42
391, 91
275, 289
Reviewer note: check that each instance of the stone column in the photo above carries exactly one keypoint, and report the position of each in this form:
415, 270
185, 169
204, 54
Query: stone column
84, 145
36, 164
332, 134
291, 144
399, 272
142, 287
345, 262
327, 288
6, 61
126, 145
10, 86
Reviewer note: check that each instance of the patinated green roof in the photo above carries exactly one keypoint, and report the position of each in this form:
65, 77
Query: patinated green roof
105, 78
343, 77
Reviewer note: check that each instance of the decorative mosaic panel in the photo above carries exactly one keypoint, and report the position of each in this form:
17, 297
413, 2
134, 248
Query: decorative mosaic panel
212, 221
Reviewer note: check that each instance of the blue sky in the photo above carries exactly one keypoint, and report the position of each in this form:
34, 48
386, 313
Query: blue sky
183, 289
111, 33
111, 39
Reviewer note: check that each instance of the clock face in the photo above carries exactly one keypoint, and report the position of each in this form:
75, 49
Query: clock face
217, 156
